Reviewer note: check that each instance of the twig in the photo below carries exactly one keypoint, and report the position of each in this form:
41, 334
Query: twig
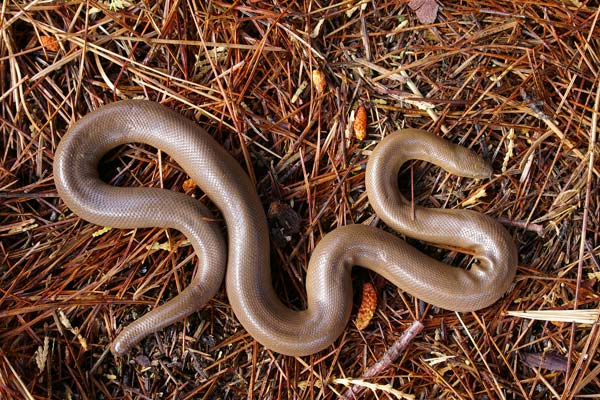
389, 357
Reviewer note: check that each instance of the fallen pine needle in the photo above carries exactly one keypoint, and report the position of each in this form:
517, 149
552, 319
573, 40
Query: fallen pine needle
578, 316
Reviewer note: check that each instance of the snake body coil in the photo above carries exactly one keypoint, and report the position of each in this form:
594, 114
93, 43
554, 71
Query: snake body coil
248, 277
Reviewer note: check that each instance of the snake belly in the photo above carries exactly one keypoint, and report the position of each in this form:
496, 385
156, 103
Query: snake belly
245, 258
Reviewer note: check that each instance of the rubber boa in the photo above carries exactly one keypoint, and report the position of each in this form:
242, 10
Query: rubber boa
245, 258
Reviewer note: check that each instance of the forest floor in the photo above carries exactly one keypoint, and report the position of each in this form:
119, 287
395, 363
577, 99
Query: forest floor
300, 92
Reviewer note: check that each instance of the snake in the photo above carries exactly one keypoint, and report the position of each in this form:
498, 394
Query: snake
243, 259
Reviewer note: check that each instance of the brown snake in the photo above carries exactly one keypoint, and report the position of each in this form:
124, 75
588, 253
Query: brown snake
246, 255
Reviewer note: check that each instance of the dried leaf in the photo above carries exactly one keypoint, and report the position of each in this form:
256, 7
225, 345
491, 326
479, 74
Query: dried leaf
188, 185
49, 43
284, 222
367, 306
142, 360
426, 10
360, 123
315, 33
284, 217
593, 275
116, 5
549, 360
353, 8
160, 246
319, 81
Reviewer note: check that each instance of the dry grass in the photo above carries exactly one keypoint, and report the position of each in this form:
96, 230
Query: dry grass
517, 81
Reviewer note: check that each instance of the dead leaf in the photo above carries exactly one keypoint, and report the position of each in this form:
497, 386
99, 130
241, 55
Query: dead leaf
284, 222
49, 43
188, 185
549, 360
426, 10
319, 81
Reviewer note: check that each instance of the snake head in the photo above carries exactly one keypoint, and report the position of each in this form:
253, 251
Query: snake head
481, 169
470, 164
